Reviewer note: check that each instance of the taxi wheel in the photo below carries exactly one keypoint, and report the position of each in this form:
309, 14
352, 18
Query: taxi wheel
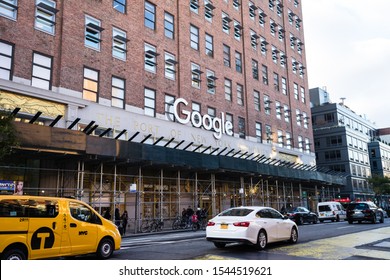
14, 254
105, 249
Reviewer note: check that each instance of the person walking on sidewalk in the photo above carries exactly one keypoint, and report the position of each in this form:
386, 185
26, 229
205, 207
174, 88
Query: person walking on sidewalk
125, 218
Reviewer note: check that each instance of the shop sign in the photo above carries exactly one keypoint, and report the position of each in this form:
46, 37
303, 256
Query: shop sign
219, 125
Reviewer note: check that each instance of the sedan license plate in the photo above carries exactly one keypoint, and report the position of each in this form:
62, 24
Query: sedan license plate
224, 226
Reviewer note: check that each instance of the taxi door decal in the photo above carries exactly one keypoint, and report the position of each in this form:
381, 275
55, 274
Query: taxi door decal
42, 238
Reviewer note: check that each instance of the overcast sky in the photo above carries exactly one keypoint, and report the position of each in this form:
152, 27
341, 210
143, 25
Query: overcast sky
348, 51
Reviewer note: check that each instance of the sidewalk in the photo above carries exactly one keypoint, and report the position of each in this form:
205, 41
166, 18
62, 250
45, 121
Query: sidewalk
164, 231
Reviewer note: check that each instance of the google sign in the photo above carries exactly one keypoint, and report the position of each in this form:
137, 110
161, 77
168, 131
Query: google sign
218, 125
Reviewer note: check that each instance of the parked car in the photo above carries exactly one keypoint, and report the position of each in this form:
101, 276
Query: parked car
331, 210
364, 211
252, 225
301, 215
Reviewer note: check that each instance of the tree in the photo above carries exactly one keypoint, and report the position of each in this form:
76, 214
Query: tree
7, 135
380, 185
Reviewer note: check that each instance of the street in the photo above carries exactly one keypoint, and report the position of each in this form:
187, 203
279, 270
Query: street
323, 241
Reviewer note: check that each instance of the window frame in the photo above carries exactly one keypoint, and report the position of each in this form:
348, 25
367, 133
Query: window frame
92, 26
36, 67
9, 56
120, 3
149, 110
119, 43
150, 15
169, 25
88, 89
12, 7
117, 87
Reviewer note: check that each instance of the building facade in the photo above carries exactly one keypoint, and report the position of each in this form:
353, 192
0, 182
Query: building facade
153, 106
344, 142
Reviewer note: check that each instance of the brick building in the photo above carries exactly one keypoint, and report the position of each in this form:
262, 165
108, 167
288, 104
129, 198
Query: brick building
152, 106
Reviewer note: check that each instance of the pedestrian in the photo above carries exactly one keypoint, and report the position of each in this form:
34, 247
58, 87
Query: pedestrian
117, 217
190, 212
107, 214
125, 218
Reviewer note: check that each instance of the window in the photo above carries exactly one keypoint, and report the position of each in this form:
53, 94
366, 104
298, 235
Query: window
299, 46
118, 92
275, 55
210, 81
284, 86
292, 41
237, 30
211, 112
169, 114
298, 116
83, 213
150, 58
263, 46
301, 70
150, 102
303, 96
279, 9
267, 103
41, 71
288, 140
255, 69
297, 23
268, 132
278, 110
283, 59
271, 4
119, 5
300, 143
290, 17
240, 95
296, 3
92, 33
236, 4
229, 118
241, 128
90, 84
256, 100
264, 70
119, 43
194, 37
252, 10
254, 38
226, 55
6, 60
276, 81
9, 9
305, 120
150, 15
296, 91
194, 6
225, 23
307, 145
170, 66
45, 15
272, 26
208, 10
195, 74
286, 113
259, 133
209, 45
280, 138
228, 89
281, 32
262, 16
238, 59
169, 26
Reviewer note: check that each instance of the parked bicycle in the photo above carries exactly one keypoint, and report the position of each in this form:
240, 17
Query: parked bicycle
152, 225
180, 223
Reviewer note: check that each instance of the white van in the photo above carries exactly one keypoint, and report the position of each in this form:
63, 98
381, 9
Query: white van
331, 210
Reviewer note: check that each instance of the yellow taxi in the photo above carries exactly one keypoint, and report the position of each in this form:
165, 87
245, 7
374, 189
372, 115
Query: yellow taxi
37, 227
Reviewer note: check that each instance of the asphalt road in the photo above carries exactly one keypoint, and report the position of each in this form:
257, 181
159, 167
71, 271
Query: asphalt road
323, 241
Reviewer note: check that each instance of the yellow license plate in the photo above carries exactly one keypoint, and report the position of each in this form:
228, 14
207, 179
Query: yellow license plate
224, 226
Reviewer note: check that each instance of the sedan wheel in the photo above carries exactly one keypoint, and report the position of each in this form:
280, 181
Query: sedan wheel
262, 240
294, 235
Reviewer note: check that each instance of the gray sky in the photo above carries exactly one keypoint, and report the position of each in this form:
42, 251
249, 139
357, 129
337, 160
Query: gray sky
348, 51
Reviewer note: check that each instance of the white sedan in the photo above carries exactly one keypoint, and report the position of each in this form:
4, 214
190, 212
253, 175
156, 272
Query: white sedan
251, 225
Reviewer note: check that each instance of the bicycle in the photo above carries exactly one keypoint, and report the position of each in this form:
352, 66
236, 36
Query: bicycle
179, 223
152, 225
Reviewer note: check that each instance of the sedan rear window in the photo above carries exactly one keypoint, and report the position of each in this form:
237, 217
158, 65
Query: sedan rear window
236, 212
357, 206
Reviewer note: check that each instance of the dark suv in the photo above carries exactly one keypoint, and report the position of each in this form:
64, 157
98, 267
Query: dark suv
364, 211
